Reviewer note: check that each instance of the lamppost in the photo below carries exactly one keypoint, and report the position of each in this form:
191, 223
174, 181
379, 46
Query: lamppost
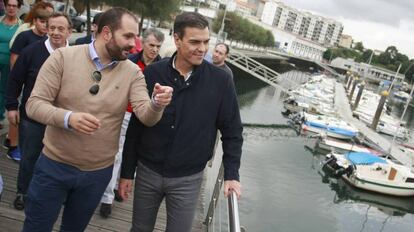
198, 6
221, 31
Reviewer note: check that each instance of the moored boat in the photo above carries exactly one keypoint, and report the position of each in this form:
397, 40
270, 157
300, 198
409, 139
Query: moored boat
370, 172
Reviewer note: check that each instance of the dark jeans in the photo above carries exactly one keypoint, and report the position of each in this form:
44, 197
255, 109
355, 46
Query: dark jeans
30, 142
55, 183
4, 75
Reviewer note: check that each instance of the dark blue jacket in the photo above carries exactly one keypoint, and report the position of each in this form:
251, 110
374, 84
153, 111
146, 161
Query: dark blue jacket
182, 142
24, 74
83, 40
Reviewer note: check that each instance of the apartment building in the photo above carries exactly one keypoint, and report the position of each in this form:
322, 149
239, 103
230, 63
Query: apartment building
324, 31
345, 41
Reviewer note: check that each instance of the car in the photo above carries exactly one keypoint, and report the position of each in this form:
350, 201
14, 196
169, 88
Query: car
78, 21
93, 13
23, 11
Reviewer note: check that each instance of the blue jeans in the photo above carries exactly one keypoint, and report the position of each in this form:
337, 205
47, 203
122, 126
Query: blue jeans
54, 184
30, 142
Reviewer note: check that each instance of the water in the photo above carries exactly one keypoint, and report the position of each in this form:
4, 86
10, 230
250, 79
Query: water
284, 188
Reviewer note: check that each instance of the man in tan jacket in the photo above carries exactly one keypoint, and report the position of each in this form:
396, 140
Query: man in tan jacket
81, 94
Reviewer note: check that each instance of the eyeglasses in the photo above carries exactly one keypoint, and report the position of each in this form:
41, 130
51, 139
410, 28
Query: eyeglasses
96, 76
11, 5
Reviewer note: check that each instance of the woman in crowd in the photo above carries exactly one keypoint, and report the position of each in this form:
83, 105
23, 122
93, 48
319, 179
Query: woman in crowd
8, 26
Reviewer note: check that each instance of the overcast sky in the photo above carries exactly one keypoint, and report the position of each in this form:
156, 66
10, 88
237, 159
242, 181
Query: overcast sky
377, 23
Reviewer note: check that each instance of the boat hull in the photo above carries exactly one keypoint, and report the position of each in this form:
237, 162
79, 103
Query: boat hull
379, 187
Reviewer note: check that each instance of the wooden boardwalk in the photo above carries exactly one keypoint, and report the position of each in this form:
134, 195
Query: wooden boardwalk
11, 220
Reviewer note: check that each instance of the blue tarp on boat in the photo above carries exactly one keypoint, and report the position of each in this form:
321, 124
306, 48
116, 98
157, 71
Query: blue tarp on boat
341, 131
315, 124
363, 158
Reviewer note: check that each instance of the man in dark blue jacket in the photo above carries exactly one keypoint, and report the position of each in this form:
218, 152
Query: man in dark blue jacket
23, 76
171, 156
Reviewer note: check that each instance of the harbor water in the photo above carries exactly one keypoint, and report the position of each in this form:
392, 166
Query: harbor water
284, 188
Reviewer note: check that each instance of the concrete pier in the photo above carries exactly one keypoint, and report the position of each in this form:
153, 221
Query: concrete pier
344, 109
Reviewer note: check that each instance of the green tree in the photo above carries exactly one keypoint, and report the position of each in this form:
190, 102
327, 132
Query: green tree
365, 56
409, 73
327, 55
151, 9
359, 46
270, 39
242, 30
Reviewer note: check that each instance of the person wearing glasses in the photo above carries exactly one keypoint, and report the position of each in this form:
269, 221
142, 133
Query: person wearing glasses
152, 39
21, 81
8, 26
169, 159
80, 94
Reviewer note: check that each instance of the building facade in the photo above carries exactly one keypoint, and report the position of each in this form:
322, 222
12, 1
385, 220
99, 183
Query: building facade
324, 31
293, 44
345, 41
366, 70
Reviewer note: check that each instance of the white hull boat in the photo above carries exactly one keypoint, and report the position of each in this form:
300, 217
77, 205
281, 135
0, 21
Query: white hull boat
373, 173
330, 126
341, 146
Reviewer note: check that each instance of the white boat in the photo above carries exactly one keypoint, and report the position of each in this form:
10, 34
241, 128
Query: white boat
331, 126
401, 96
295, 106
392, 129
341, 146
390, 205
370, 172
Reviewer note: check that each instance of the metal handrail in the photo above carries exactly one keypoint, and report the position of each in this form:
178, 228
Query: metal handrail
234, 220
214, 198
257, 69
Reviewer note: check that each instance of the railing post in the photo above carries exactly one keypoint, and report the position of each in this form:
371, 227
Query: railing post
234, 220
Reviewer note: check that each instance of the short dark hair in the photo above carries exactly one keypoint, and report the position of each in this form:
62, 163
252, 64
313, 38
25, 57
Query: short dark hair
19, 3
189, 19
60, 14
96, 18
225, 45
112, 18
155, 32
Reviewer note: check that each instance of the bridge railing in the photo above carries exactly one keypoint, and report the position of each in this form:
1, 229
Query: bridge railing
257, 69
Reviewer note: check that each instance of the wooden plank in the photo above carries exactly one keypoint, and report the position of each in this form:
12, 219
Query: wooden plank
11, 220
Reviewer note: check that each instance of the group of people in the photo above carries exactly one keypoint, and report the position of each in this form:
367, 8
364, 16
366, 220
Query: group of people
92, 113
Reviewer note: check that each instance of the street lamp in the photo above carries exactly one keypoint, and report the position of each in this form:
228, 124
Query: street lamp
198, 6
221, 31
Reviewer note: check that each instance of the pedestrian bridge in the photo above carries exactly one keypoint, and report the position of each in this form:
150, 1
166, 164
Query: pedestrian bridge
254, 68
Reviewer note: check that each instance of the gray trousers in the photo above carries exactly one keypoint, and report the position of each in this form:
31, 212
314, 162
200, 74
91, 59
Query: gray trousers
181, 197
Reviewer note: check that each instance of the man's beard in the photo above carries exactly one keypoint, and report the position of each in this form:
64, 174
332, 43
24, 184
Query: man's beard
216, 61
115, 51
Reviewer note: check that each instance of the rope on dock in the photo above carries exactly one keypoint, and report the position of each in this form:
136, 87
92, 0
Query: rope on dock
266, 125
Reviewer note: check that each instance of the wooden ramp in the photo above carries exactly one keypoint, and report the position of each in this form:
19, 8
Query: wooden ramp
11, 220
